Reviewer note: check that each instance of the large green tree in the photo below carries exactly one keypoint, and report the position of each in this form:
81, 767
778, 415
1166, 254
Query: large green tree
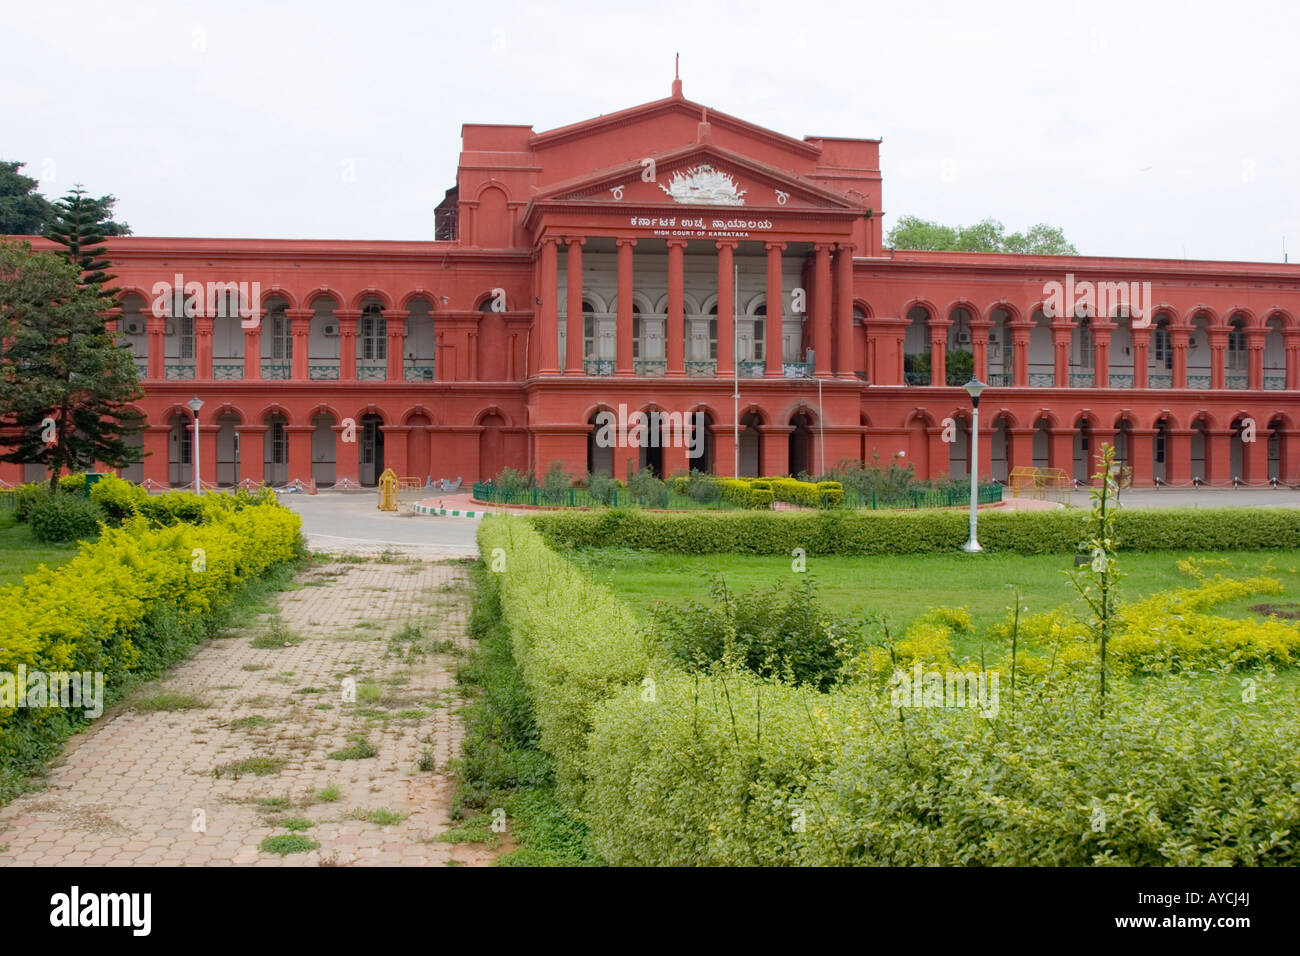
66, 385
23, 211
987, 235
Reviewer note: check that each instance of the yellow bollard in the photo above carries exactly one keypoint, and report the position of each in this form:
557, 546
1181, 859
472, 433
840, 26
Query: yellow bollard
388, 491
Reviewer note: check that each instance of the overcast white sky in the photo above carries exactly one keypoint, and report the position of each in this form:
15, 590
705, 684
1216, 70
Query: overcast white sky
1168, 130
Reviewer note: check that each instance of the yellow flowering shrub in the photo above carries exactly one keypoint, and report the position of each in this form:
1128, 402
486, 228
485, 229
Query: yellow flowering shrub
92, 613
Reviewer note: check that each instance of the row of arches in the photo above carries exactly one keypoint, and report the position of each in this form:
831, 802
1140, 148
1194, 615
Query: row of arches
1201, 344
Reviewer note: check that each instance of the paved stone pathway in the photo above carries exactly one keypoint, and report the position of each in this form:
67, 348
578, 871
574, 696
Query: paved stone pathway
236, 742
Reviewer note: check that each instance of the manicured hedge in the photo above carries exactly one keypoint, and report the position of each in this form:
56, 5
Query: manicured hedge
726, 768
919, 532
119, 605
574, 641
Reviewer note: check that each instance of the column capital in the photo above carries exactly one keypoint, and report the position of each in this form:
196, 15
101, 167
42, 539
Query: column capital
548, 241
347, 315
395, 314
622, 241
823, 246
845, 247
297, 315
772, 245
676, 243
732, 243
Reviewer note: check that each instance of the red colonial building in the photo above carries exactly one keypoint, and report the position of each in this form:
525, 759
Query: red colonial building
651, 259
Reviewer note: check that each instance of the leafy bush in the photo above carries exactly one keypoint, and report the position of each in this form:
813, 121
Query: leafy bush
513, 482
65, 517
603, 488
919, 532
556, 481
771, 637
743, 494
27, 497
648, 489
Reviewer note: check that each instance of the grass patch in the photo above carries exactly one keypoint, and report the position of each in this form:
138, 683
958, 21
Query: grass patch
250, 766
297, 824
904, 587
382, 816
273, 803
21, 554
253, 720
276, 635
361, 749
328, 794
286, 843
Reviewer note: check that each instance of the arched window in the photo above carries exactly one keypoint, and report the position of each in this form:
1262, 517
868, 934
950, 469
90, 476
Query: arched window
1162, 350
1237, 346
281, 336
372, 333
1085, 343
588, 330
760, 333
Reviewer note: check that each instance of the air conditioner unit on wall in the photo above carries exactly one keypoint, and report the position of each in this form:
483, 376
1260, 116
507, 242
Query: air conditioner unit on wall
133, 327
963, 338
331, 330
993, 338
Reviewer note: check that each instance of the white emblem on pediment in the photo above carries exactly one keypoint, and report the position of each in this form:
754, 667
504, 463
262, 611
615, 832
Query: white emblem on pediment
704, 186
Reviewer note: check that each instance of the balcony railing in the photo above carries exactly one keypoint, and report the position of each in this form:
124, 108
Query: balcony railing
598, 366
323, 371
178, 371
1042, 380
1082, 379
650, 367
1238, 381
141, 369
1275, 382
797, 369
1198, 381
1000, 379
227, 371
701, 368
1121, 379
419, 371
916, 378
372, 373
753, 369
276, 371
1160, 380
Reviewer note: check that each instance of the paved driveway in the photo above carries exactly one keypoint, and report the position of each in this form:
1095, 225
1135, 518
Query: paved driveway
342, 521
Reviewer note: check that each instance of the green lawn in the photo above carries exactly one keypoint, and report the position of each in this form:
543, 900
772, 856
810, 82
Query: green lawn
903, 587
21, 555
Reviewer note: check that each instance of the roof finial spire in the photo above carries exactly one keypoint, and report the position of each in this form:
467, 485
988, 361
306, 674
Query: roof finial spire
677, 78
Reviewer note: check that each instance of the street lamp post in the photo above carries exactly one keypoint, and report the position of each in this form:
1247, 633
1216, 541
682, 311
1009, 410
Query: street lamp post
195, 404
973, 388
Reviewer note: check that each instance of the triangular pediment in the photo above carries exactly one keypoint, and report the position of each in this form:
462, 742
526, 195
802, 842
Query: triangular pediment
698, 176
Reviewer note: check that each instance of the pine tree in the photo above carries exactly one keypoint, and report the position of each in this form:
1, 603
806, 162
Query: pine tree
80, 224
66, 386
